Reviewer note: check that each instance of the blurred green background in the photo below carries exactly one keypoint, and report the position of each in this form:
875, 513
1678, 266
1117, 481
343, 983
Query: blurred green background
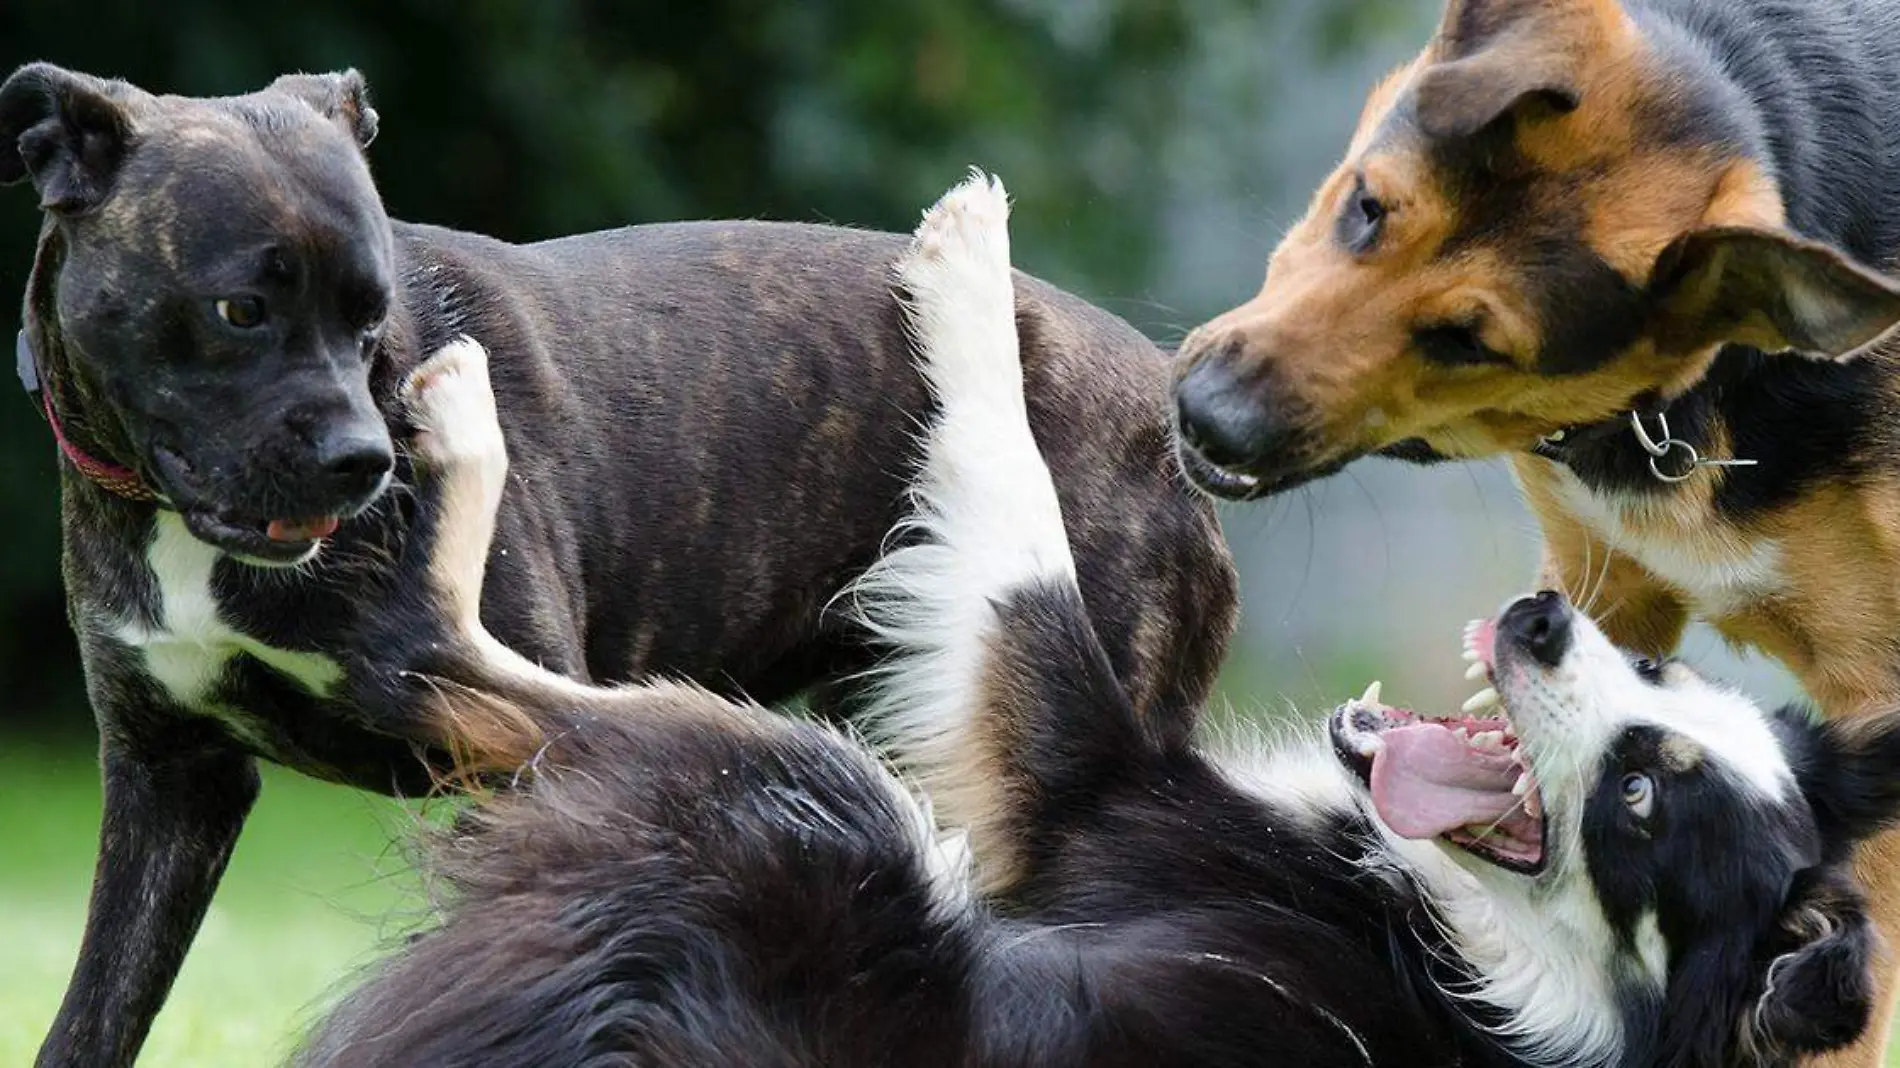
1154, 149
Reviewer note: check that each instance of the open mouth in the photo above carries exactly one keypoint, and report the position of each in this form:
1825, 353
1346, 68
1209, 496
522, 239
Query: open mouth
1463, 780
279, 542
1231, 485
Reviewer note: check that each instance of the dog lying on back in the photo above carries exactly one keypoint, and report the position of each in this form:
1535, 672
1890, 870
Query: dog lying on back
1628, 244
708, 424
1624, 865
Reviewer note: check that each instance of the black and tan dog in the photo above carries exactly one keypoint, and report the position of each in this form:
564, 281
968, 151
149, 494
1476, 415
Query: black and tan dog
1630, 243
709, 426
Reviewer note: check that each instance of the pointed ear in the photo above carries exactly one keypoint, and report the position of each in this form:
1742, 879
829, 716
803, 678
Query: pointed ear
67, 131
1766, 289
1495, 58
1462, 97
1851, 778
343, 98
1818, 993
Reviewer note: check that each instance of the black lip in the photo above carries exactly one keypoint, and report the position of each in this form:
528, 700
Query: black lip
1361, 768
1230, 484
242, 537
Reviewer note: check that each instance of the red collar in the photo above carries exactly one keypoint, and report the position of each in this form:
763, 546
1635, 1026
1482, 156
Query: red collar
122, 481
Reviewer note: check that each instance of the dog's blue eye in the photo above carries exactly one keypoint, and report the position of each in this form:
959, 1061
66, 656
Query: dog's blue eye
245, 313
1451, 345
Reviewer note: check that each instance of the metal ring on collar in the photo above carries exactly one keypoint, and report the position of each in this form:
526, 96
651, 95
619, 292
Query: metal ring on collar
1656, 457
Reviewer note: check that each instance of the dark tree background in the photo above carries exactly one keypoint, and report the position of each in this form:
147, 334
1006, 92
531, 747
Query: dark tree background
533, 118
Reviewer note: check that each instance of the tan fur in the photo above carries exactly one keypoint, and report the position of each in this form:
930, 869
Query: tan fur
1330, 338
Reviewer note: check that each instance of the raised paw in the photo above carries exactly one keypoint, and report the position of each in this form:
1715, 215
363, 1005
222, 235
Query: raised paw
960, 299
452, 407
967, 231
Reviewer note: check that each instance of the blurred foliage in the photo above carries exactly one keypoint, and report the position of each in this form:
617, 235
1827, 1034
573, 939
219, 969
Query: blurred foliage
533, 118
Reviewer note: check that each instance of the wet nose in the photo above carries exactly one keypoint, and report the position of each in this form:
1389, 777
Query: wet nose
1540, 625
354, 461
1219, 419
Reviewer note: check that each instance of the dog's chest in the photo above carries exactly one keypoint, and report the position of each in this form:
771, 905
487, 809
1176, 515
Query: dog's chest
187, 645
1718, 568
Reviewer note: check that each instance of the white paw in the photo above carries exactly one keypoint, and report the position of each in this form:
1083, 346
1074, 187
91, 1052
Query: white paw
961, 299
452, 407
967, 229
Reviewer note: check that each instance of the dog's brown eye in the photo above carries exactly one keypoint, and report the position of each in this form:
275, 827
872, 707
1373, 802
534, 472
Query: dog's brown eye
1650, 671
1362, 219
1639, 793
1451, 345
245, 313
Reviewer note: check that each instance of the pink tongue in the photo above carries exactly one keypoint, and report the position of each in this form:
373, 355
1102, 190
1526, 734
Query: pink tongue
1426, 781
301, 529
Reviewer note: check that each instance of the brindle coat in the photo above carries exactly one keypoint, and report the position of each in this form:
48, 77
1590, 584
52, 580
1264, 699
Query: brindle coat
711, 425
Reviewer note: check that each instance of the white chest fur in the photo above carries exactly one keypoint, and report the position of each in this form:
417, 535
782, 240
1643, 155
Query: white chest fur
1717, 567
189, 647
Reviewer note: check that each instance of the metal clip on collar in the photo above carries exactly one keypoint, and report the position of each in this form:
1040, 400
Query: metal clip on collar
1657, 450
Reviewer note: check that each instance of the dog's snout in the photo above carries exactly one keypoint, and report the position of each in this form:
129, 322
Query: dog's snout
354, 462
1540, 625
1220, 417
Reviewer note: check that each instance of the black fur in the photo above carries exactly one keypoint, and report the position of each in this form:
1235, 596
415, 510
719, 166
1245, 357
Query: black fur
710, 425
1811, 92
688, 884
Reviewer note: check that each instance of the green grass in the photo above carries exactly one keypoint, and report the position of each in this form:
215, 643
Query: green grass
314, 889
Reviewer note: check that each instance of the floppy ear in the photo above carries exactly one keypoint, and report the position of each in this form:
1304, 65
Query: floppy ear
67, 131
1766, 289
1851, 778
343, 98
1494, 58
1818, 994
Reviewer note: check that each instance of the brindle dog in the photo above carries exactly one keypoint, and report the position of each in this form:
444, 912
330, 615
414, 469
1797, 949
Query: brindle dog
1617, 240
711, 426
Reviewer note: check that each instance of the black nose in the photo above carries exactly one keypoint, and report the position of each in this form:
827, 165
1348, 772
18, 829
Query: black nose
1221, 418
353, 463
1540, 625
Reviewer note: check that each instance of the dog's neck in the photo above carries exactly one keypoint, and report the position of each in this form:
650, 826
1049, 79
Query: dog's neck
1798, 418
94, 442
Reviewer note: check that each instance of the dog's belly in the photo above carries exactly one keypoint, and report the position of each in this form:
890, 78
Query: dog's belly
1718, 569
188, 648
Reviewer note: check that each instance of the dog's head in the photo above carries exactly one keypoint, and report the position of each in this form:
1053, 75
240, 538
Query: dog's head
215, 275
1546, 218
1704, 841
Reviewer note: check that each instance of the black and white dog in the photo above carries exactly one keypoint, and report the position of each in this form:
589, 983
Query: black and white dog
1608, 863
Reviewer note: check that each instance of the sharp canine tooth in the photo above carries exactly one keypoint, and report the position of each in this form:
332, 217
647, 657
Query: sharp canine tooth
1488, 739
1371, 696
1523, 784
1481, 700
1475, 671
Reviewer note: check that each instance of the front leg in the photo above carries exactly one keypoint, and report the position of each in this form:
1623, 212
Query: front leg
175, 799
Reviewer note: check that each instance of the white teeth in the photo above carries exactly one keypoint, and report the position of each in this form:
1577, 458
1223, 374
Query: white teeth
1463, 734
1488, 740
1475, 671
1483, 699
1470, 653
1371, 696
1533, 805
1523, 784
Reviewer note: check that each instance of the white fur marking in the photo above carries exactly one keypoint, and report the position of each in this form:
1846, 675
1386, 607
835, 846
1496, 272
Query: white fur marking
189, 647
1719, 570
984, 509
